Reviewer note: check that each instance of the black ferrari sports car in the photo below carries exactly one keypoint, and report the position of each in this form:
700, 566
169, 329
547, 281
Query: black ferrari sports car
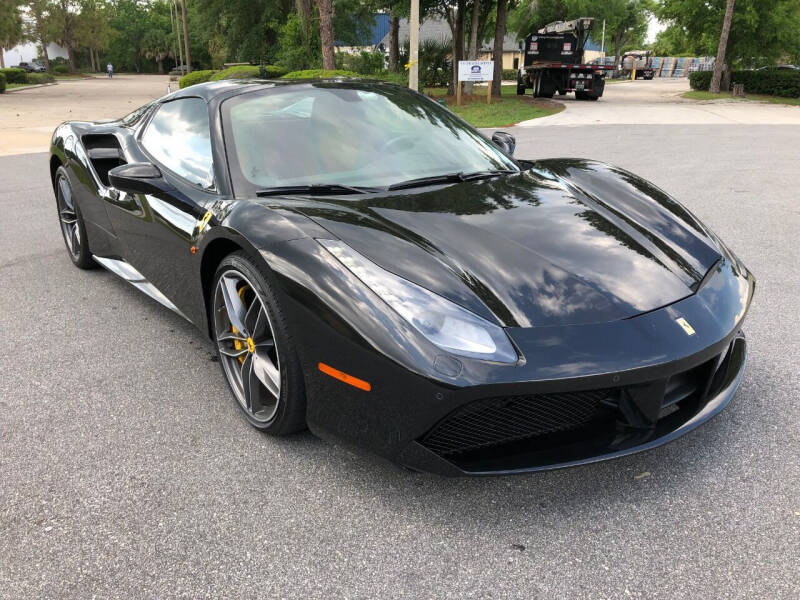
371, 267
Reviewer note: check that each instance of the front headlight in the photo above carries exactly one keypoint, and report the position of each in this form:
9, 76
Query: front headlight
446, 324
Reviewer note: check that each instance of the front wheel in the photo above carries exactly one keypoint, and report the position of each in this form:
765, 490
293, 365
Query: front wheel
255, 347
520, 88
73, 228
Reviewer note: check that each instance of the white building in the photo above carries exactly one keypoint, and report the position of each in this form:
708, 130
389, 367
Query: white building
29, 51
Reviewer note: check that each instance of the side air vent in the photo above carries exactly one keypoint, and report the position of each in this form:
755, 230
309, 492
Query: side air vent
104, 154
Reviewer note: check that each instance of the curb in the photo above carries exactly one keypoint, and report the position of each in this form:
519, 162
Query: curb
30, 87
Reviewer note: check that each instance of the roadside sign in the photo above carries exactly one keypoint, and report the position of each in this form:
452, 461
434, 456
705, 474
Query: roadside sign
475, 70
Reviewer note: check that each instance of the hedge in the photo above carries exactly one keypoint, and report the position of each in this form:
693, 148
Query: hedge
700, 80
61, 69
2, 82
772, 82
509, 75
238, 72
271, 72
38, 78
319, 74
14, 75
196, 77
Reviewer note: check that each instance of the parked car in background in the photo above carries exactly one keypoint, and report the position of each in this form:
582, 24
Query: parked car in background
32, 67
780, 68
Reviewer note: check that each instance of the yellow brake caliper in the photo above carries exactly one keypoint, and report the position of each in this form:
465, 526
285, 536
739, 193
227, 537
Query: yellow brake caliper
238, 344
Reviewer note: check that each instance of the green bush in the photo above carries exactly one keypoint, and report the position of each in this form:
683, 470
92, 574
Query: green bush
772, 82
391, 77
271, 72
509, 75
14, 75
435, 66
365, 63
700, 80
2, 82
319, 74
38, 78
238, 72
195, 77
61, 69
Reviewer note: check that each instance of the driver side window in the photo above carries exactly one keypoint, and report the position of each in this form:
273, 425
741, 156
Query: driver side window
179, 138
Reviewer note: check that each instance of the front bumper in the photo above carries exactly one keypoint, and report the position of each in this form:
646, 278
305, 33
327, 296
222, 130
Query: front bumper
621, 427
638, 383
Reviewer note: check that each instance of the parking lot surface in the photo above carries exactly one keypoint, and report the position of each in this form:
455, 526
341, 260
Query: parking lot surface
659, 102
29, 116
126, 470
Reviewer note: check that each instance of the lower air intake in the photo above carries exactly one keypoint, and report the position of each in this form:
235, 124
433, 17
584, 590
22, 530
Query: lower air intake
495, 421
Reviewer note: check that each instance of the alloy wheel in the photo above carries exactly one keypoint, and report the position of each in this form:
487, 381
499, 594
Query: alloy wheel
68, 218
247, 346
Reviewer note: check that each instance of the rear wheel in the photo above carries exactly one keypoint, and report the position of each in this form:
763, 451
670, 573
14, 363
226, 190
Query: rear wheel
71, 221
255, 347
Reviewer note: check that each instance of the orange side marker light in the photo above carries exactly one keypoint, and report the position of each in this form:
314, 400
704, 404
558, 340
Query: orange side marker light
341, 376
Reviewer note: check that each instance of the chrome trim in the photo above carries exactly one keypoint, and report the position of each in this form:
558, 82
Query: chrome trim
126, 272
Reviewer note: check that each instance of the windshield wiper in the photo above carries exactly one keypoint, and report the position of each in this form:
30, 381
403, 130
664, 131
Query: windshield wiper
448, 178
322, 189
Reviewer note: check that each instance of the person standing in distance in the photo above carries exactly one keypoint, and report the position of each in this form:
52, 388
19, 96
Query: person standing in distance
110, 70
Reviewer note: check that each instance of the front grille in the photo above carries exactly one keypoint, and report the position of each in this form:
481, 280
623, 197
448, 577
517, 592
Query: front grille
494, 421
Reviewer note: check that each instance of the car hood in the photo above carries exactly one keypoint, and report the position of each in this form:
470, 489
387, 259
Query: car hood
566, 242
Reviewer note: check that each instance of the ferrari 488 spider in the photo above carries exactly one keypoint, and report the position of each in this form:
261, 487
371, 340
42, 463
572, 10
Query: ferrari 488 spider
371, 267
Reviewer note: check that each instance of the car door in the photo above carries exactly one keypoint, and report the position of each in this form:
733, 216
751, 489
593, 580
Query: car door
158, 231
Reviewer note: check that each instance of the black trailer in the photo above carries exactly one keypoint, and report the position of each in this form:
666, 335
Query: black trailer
554, 62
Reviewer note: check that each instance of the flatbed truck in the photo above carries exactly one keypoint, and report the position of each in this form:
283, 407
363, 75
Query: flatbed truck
554, 62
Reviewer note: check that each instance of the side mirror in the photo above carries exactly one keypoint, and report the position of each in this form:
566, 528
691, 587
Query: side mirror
504, 141
136, 178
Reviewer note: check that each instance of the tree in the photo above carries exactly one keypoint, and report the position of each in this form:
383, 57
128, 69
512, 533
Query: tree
94, 31
497, 54
156, 45
39, 26
64, 23
326, 33
186, 37
11, 27
716, 78
761, 32
472, 54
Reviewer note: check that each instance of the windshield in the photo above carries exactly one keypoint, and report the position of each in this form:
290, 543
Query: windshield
353, 134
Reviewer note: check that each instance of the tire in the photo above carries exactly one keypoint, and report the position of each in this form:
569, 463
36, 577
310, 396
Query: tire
520, 88
73, 229
264, 349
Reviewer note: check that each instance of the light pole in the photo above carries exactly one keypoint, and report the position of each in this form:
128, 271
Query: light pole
413, 43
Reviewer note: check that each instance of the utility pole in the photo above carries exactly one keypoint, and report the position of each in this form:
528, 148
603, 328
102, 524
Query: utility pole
186, 38
413, 42
603, 42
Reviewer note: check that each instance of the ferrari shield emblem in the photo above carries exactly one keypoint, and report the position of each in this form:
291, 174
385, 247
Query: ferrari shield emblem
685, 325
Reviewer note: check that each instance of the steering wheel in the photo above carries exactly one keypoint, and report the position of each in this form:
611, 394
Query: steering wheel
396, 140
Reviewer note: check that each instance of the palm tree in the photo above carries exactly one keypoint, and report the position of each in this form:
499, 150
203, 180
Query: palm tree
156, 45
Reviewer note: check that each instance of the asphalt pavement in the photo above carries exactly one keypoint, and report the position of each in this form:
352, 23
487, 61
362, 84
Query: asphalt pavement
126, 470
